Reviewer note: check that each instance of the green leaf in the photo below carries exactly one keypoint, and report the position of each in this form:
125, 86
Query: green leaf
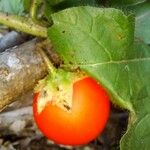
52, 6
12, 6
88, 30
142, 28
142, 20
141, 9
137, 137
101, 42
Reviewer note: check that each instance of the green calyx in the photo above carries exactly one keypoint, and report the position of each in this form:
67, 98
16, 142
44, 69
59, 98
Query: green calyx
57, 88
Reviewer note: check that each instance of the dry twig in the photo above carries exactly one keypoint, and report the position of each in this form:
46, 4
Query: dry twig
20, 70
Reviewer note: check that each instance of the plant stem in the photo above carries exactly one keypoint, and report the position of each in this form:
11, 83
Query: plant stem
42, 48
34, 8
49, 64
23, 24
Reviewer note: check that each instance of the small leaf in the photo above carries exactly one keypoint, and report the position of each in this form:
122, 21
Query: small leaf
101, 42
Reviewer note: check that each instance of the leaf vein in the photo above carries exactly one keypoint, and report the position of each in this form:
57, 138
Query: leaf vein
91, 36
117, 62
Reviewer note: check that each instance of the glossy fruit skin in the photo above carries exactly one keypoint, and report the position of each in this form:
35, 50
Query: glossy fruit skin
87, 119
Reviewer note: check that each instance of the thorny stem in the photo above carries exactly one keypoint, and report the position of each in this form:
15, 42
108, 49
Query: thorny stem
23, 24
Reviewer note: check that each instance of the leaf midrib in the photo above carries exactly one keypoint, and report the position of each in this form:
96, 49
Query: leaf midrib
117, 62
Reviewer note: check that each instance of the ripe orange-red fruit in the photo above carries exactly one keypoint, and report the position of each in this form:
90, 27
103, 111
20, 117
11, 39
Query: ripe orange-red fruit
83, 123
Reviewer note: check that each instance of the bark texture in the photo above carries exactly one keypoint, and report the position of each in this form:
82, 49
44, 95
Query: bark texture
20, 70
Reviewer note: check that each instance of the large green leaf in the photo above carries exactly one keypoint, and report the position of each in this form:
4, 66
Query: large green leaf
101, 42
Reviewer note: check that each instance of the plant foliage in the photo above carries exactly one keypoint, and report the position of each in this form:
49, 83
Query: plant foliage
109, 44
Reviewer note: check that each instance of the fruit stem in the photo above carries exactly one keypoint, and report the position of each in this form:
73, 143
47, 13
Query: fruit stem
49, 64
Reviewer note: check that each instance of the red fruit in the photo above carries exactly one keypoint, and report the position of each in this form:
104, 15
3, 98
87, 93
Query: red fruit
81, 123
